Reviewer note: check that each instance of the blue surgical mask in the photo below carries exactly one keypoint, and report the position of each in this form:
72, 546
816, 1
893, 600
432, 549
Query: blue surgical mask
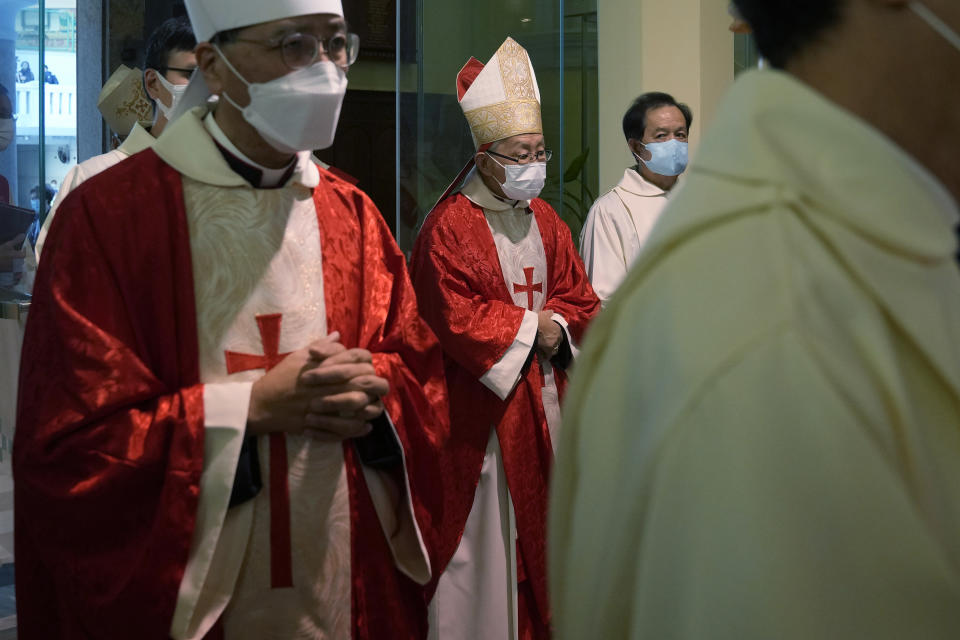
35, 205
666, 158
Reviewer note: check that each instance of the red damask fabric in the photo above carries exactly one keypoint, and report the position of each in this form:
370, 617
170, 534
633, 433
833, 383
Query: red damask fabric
463, 296
109, 442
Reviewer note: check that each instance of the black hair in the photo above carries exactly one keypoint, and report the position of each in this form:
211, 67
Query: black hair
48, 192
783, 28
635, 119
172, 35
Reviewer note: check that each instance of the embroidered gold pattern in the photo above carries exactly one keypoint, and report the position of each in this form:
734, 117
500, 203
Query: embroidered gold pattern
503, 120
515, 71
137, 104
520, 112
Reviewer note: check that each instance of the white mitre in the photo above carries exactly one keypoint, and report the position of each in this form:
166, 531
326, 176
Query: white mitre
209, 17
123, 101
500, 99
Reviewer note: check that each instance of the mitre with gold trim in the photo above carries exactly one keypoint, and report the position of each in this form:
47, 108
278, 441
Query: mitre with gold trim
500, 99
123, 101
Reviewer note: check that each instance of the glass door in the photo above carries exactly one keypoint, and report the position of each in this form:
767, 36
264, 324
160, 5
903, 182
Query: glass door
433, 137
38, 145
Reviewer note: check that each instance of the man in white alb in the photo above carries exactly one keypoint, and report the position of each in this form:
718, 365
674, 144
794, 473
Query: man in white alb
656, 127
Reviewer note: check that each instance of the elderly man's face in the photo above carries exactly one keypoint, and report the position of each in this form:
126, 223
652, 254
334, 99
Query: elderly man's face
258, 54
513, 147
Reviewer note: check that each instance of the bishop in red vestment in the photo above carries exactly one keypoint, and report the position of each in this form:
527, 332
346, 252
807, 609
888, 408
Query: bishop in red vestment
500, 282
185, 285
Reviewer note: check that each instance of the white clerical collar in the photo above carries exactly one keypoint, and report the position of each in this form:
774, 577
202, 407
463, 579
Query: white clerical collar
633, 182
139, 139
270, 178
477, 192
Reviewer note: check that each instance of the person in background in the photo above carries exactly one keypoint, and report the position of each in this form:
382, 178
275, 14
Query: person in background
8, 131
168, 63
25, 74
13, 252
40, 207
48, 76
656, 127
763, 436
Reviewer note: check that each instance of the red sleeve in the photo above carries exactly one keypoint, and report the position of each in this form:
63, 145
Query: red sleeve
108, 450
371, 302
571, 294
405, 352
453, 270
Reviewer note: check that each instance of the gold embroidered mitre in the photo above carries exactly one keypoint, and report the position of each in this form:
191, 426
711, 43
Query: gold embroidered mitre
500, 99
123, 101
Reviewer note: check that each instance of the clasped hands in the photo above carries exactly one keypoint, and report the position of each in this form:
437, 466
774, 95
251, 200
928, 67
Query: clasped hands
549, 335
326, 388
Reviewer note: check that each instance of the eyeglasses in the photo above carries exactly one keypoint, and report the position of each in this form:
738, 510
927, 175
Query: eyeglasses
524, 158
300, 50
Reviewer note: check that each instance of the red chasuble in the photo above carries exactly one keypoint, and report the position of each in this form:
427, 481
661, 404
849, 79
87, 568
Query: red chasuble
110, 437
464, 298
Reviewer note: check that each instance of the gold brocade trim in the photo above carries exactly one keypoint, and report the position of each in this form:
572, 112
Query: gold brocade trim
137, 105
505, 119
515, 71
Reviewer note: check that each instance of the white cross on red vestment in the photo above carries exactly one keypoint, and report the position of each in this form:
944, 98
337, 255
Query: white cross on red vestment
529, 288
281, 562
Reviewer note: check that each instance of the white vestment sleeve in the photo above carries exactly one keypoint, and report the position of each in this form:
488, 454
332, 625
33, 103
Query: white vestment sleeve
601, 246
225, 408
559, 319
504, 375
398, 521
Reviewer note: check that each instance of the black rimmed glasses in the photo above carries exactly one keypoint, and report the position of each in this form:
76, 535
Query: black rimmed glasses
525, 158
300, 50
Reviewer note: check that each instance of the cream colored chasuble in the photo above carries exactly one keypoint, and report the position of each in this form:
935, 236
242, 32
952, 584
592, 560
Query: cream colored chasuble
762, 439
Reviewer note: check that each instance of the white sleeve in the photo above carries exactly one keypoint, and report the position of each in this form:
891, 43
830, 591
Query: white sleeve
225, 422
71, 181
504, 375
601, 247
399, 521
559, 319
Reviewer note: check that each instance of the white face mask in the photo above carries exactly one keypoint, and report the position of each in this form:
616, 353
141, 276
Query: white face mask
523, 181
176, 93
938, 25
7, 131
298, 111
